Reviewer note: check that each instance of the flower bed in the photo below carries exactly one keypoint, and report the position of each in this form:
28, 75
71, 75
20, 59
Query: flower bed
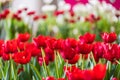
48, 58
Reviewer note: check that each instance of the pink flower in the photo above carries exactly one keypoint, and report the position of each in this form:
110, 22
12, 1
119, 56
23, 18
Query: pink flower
115, 3
74, 2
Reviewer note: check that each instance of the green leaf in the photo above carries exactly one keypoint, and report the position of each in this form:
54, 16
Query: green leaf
36, 72
117, 71
8, 72
24, 76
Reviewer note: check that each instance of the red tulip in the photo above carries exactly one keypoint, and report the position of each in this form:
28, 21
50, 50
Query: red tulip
1, 47
58, 44
99, 71
17, 17
40, 41
98, 50
44, 16
21, 46
71, 42
74, 60
33, 49
92, 18
19, 11
23, 57
11, 46
112, 52
72, 21
74, 73
72, 14
84, 48
50, 42
23, 37
57, 13
35, 18
5, 56
6, 12
67, 52
109, 37
31, 13
87, 38
49, 78
61, 79
49, 53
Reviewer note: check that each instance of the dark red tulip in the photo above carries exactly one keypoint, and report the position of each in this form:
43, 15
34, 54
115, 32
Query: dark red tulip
35, 18
19, 11
71, 42
67, 52
72, 21
92, 18
17, 17
44, 16
25, 9
74, 60
109, 37
49, 53
72, 14
84, 48
31, 13
57, 13
98, 50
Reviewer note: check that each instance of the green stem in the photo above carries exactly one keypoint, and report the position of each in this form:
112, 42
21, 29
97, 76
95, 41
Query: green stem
66, 69
1, 69
44, 64
13, 71
93, 58
59, 57
117, 61
56, 65
35, 69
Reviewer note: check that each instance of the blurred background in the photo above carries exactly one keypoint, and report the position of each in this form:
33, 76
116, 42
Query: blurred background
58, 18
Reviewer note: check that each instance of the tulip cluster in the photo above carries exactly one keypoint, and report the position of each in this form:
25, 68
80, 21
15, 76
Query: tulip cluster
68, 55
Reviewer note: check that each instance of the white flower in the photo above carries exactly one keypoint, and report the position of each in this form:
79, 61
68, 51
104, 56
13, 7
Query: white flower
47, 1
80, 9
48, 8
55, 29
60, 19
75, 31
